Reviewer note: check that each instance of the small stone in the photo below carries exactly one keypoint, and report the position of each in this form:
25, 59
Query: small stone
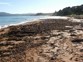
81, 50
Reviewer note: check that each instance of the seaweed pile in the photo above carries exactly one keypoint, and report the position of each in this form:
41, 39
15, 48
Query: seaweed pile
47, 40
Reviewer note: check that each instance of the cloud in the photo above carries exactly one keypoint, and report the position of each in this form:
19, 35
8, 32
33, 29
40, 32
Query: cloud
4, 3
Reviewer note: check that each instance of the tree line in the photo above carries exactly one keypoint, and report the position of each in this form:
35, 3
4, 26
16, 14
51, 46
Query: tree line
75, 10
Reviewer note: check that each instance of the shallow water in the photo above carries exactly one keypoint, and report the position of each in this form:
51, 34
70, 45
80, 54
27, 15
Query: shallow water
7, 20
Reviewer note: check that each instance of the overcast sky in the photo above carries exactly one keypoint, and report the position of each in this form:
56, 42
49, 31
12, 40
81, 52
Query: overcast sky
35, 6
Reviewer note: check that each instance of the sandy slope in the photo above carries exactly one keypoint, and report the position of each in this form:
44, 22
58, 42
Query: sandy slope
44, 41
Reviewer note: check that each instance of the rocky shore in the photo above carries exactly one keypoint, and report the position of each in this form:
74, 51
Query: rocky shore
47, 40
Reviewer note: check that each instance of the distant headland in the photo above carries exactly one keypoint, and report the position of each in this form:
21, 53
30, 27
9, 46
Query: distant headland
26, 14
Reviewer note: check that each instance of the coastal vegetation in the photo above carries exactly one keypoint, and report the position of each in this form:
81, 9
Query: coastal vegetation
75, 10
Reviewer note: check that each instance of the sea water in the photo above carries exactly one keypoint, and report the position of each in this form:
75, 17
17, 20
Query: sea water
6, 21
12, 20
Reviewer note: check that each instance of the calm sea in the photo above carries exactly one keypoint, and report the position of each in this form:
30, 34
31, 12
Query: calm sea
9, 20
6, 21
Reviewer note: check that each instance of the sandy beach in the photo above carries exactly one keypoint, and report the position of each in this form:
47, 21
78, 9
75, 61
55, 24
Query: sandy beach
43, 40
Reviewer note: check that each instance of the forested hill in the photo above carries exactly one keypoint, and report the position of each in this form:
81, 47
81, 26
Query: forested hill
4, 14
75, 10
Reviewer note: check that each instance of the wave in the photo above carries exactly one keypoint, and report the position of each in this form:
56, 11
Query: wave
21, 23
5, 26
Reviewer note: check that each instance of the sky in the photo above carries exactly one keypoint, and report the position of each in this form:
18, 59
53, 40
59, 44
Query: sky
36, 6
